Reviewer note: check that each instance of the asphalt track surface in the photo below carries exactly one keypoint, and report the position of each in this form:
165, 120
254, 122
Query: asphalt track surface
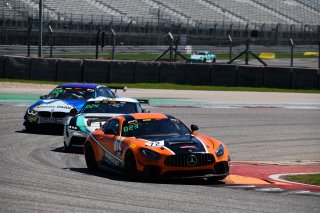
35, 174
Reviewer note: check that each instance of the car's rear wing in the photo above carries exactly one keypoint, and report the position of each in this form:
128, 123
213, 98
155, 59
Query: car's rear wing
143, 101
124, 89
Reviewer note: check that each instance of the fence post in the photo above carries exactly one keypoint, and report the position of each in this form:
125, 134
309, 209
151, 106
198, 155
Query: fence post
97, 43
50, 39
28, 37
230, 48
113, 42
292, 45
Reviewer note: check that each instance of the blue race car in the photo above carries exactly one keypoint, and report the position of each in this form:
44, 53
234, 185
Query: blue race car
54, 108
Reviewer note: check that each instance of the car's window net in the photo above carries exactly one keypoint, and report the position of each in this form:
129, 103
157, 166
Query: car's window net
116, 107
71, 93
155, 129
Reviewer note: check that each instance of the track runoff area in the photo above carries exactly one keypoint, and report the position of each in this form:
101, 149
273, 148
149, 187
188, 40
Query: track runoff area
263, 174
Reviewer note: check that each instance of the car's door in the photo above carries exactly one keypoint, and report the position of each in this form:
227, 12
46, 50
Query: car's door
111, 134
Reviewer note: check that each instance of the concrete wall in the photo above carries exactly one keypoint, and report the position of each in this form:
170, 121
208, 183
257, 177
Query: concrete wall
77, 70
43, 69
17, 67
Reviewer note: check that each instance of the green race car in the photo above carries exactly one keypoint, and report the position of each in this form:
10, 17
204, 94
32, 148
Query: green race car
202, 57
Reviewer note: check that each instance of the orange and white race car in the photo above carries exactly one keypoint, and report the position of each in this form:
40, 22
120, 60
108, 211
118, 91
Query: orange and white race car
155, 145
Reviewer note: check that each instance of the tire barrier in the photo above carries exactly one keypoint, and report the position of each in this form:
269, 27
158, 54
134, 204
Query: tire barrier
95, 71
69, 70
198, 74
17, 67
172, 73
77, 70
147, 72
305, 78
278, 77
2, 61
224, 75
121, 72
250, 76
43, 69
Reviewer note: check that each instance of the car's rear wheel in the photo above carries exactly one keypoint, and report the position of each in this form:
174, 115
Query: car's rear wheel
214, 60
90, 158
130, 165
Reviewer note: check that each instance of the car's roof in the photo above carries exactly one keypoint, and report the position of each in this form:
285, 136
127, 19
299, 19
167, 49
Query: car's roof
135, 116
101, 98
78, 85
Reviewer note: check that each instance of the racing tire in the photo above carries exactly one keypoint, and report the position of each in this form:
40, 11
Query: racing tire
214, 60
130, 166
29, 127
66, 149
204, 60
90, 158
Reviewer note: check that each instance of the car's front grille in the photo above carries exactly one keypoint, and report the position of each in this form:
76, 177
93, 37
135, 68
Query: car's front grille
44, 114
59, 114
77, 140
190, 160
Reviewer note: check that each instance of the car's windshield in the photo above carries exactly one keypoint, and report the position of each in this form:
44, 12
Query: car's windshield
71, 93
155, 129
117, 107
201, 53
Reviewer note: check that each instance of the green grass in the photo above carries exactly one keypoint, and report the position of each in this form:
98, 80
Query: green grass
313, 179
177, 86
150, 57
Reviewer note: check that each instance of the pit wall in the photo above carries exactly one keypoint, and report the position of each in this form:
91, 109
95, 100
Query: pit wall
101, 71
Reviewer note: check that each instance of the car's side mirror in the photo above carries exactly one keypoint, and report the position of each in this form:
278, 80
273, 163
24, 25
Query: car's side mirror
43, 96
73, 112
145, 111
109, 132
194, 127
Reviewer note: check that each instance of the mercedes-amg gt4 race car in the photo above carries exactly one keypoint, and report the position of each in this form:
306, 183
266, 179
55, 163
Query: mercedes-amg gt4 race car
155, 145
92, 116
202, 57
52, 110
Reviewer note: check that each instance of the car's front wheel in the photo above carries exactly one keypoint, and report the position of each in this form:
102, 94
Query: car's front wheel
29, 127
90, 158
130, 165
66, 147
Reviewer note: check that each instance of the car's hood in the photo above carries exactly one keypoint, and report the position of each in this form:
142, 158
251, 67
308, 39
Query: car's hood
196, 56
184, 145
53, 105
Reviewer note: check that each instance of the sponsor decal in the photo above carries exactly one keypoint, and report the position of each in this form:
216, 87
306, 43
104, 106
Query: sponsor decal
117, 146
188, 147
155, 143
108, 156
133, 146
54, 105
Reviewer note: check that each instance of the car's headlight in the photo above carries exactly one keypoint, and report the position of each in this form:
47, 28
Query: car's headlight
74, 128
220, 151
150, 154
31, 112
